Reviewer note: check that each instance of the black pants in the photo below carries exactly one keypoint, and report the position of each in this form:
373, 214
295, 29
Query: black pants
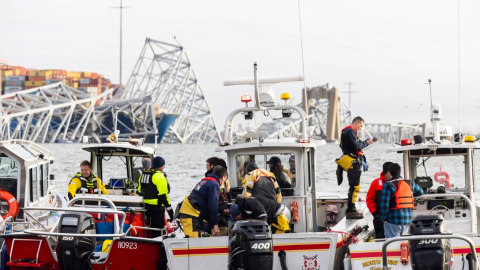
155, 218
378, 225
353, 175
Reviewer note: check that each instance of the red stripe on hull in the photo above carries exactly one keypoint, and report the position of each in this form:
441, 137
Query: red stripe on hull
301, 247
377, 254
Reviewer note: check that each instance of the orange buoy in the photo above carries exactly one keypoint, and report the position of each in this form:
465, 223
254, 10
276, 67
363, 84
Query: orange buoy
404, 253
442, 177
12, 204
294, 207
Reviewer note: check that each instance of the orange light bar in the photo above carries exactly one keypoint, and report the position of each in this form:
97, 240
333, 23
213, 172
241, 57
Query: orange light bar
246, 98
303, 140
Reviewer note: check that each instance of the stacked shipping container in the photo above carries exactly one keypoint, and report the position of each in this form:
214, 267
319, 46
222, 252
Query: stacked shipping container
16, 78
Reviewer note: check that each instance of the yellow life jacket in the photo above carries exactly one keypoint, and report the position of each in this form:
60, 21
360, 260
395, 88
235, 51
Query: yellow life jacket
345, 162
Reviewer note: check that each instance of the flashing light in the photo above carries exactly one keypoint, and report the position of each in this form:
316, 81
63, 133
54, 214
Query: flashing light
470, 138
285, 96
406, 142
224, 144
246, 98
303, 140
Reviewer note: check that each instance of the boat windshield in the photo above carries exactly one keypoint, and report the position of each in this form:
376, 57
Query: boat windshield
115, 168
8, 167
446, 171
286, 170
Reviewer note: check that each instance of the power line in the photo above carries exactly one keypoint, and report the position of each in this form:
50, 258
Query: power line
350, 94
121, 7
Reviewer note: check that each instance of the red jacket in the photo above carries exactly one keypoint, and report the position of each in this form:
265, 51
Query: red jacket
374, 193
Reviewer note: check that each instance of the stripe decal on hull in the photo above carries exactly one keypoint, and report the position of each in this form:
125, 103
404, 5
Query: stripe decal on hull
223, 250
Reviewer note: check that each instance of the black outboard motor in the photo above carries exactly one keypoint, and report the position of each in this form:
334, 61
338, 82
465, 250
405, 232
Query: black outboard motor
74, 252
434, 254
250, 246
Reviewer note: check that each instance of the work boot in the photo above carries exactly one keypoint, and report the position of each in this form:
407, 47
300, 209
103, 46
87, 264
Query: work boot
354, 215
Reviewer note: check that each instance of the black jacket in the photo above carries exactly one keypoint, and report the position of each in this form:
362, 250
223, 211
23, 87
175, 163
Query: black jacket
350, 143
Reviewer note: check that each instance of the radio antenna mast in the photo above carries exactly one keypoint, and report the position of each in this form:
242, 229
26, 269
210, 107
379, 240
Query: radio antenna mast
121, 7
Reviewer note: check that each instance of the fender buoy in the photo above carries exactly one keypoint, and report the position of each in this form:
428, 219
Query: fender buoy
294, 207
12, 204
443, 178
404, 253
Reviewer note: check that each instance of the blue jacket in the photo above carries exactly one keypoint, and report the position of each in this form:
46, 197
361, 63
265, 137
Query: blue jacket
349, 141
396, 216
207, 193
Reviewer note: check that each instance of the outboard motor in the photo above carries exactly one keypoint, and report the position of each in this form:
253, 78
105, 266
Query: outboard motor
74, 252
434, 254
250, 246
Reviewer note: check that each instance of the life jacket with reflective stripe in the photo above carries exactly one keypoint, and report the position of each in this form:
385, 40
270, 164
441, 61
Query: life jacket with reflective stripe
149, 190
89, 184
403, 196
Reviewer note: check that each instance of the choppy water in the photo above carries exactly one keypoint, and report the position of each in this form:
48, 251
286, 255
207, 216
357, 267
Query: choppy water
185, 165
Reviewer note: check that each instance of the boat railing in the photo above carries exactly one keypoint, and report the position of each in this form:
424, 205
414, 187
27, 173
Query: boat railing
163, 230
424, 237
473, 209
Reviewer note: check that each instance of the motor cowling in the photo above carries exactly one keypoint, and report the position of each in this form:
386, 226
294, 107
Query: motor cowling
74, 251
250, 245
429, 253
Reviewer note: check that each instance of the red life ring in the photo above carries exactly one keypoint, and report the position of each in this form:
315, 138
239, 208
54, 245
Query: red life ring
12, 204
443, 177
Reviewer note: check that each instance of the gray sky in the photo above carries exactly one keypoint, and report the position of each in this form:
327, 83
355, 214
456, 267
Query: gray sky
387, 49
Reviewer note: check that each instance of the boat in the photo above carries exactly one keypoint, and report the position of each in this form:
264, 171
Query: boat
312, 242
444, 231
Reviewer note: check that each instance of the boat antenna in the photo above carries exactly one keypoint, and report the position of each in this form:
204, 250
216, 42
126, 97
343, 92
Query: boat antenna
305, 108
459, 89
431, 101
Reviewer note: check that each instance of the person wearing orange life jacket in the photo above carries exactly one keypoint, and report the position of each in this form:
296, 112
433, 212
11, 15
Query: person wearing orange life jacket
373, 199
85, 181
352, 152
396, 202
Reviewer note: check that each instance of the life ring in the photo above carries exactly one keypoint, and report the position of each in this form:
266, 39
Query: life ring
12, 204
442, 177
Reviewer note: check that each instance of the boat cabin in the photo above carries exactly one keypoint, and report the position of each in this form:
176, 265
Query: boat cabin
25, 173
445, 172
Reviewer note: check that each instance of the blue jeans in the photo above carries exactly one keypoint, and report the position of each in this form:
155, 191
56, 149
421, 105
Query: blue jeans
394, 230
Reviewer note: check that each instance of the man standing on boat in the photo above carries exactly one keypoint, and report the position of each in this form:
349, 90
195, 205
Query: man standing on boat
85, 181
199, 210
351, 161
373, 199
153, 186
396, 203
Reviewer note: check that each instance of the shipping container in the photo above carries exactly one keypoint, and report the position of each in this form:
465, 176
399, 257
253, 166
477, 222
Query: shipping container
40, 73
50, 81
84, 81
12, 89
6, 73
14, 83
34, 83
73, 84
15, 78
86, 74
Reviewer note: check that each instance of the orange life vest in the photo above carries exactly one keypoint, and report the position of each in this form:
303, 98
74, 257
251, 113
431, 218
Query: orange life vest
403, 197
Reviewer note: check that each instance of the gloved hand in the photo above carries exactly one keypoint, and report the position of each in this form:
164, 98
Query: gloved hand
364, 165
170, 213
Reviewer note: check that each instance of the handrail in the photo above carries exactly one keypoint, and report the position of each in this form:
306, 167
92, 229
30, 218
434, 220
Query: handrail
92, 198
473, 209
36, 231
147, 228
91, 210
422, 237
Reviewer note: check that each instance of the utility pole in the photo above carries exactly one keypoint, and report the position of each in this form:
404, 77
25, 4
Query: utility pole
350, 94
121, 7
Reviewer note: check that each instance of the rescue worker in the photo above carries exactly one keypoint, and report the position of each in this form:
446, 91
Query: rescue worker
153, 186
396, 202
198, 211
351, 161
224, 198
85, 181
291, 172
211, 163
146, 164
247, 208
261, 184
276, 167
373, 199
